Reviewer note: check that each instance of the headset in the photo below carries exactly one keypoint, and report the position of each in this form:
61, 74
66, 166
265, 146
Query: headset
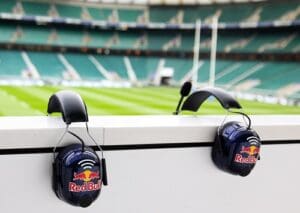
78, 172
236, 145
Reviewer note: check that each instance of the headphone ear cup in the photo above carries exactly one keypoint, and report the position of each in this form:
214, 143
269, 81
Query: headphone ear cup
244, 151
217, 153
54, 178
229, 142
77, 175
57, 169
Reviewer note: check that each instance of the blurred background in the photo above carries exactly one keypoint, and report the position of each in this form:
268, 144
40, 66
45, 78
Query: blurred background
130, 57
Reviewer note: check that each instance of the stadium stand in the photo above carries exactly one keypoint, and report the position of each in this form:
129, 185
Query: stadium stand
153, 45
154, 40
227, 42
265, 11
255, 12
268, 74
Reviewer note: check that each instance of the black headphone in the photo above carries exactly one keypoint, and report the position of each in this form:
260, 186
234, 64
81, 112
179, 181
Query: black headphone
78, 173
236, 145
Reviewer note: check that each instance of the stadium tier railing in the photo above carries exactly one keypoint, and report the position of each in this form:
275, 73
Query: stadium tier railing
155, 164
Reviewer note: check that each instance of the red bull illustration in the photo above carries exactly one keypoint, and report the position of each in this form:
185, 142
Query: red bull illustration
250, 150
87, 177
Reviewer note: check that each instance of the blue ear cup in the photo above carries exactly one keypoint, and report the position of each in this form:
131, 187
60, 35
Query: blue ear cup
236, 148
77, 175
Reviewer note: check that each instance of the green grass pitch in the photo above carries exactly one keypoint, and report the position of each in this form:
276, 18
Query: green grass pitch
21, 101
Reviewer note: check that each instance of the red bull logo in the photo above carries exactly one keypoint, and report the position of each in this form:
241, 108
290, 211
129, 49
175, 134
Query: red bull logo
86, 176
251, 152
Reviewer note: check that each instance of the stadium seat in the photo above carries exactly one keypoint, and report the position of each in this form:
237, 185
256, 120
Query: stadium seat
232, 74
100, 14
126, 40
69, 11
47, 64
181, 67
162, 14
34, 35
99, 38
7, 6
7, 31
272, 12
278, 74
203, 71
241, 12
11, 64
69, 37
36, 8
129, 15
156, 40
144, 67
113, 64
84, 67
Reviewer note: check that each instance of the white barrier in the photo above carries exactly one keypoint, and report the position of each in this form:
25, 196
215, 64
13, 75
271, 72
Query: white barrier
161, 179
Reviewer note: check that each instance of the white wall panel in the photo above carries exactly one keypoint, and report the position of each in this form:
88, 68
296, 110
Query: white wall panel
164, 180
154, 180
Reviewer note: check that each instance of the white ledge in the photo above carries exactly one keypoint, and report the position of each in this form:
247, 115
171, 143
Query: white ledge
36, 132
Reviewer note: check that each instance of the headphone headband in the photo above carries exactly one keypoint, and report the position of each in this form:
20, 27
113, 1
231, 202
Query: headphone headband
195, 100
73, 109
70, 104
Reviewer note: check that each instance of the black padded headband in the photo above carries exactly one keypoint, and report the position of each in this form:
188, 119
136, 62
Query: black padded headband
196, 99
70, 104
